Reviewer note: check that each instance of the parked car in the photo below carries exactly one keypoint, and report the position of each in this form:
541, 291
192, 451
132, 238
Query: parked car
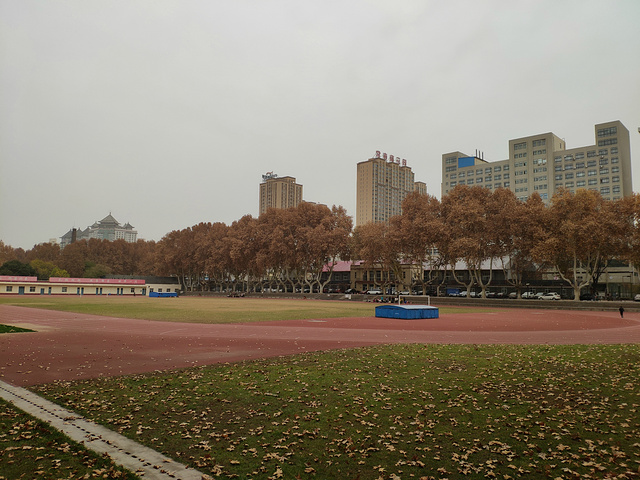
528, 295
350, 290
637, 298
549, 296
374, 292
587, 296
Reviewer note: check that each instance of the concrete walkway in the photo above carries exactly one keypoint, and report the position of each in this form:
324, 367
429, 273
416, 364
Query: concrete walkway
143, 461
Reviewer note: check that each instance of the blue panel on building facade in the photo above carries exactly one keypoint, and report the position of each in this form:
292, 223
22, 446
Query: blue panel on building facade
407, 312
466, 162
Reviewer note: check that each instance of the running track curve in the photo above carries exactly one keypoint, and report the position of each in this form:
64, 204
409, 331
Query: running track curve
71, 346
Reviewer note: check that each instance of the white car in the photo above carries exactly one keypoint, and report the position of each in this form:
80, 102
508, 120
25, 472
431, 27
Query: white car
374, 292
637, 298
549, 296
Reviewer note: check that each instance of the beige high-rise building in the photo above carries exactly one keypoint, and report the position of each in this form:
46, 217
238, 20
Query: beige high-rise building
279, 192
543, 164
382, 185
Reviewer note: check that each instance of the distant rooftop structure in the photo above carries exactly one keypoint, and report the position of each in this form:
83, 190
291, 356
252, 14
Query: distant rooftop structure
106, 229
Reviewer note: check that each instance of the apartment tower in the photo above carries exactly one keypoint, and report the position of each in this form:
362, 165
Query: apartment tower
279, 192
382, 184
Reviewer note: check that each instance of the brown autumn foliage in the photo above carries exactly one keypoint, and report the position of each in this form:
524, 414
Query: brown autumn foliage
288, 249
578, 234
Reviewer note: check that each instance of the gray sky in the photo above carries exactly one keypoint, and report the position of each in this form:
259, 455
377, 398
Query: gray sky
167, 113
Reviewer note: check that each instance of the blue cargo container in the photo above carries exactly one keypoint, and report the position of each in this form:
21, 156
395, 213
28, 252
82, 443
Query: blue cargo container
407, 312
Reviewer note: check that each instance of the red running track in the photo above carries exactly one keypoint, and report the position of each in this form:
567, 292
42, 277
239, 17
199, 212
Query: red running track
71, 346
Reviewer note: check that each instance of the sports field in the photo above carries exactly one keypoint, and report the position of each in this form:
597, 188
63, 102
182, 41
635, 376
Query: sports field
499, 393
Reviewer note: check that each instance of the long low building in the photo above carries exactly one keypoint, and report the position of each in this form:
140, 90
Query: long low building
19, 285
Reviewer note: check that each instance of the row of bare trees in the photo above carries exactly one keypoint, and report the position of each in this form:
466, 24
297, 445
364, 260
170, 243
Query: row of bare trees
577, 235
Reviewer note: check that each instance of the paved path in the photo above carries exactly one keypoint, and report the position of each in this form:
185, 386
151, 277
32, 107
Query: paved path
71, 346
143, 461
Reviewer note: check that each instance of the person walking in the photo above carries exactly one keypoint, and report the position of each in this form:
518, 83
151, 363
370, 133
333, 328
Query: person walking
621, 311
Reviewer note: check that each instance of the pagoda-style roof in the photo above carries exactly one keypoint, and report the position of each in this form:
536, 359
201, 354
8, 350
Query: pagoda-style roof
108, 220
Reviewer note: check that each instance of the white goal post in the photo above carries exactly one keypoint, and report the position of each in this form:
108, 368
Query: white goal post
428, 297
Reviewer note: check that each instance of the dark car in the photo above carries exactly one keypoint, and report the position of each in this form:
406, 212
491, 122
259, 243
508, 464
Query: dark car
586, 296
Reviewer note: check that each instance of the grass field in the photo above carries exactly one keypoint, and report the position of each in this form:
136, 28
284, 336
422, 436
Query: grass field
31, 449
12, 329
382, 412
390, 412
205, 309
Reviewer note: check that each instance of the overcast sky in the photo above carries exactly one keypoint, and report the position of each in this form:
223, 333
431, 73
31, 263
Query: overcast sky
166, 113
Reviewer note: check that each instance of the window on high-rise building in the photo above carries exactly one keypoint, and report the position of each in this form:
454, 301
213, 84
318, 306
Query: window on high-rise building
606, 132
